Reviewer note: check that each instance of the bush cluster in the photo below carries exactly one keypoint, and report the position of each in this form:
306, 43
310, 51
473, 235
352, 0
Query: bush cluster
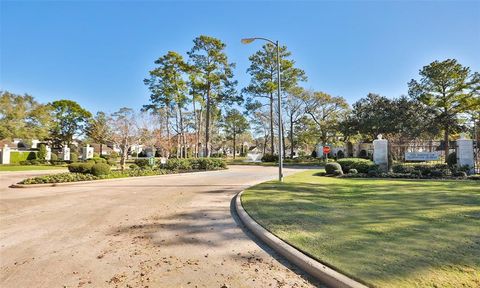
333, 169
195, 164
141, 162
269, 158
359, 164
422, 169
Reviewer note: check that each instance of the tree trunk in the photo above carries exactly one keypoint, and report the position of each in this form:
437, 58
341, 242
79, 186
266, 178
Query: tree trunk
234, 146
207, 125
124, 157
272, 139
195, 151
101, 149
291, 137
447, 148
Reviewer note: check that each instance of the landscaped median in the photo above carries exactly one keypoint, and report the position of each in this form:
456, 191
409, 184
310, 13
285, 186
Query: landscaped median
384, 233
98, 169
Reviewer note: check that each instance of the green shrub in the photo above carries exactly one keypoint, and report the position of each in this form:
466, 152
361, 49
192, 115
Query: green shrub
353, 171
73, 157
59, 178
99, 160
96, 155
331, 168
269, 158
361, 165
42, 152
179, 164
337, 172
100, 169
208, 163
53, 157
141, 162
133, 166
17, 156
473, 177
85, 167
423, 169
134, 154
112, 162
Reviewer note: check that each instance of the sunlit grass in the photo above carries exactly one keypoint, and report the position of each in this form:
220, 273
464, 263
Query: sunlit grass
386, 233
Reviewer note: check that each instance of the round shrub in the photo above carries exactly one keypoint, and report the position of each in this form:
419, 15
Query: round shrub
141, 162
73, 157
269, 158
133, 166
330, 168
53, 157
353, 171
81, 167
337, 172
100, 169
361, 165
111, 162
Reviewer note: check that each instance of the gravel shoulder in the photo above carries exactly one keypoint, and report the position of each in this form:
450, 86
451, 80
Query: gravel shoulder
170, 231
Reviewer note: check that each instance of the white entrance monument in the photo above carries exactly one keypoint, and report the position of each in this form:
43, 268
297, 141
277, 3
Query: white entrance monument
87, 152
5, 155
66, 154
380, 153
48, 156
465, 153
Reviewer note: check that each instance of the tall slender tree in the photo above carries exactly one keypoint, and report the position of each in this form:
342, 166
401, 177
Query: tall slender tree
98, 129
263, 83
168, 89
125, 131
215, 78
234, 125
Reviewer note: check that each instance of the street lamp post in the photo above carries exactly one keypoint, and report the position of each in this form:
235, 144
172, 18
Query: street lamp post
280, 132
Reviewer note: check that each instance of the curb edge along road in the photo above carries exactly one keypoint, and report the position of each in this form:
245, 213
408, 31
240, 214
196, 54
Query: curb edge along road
324, 274
22, 186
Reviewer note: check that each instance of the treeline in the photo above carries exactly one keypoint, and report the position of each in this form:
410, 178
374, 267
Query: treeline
196, 108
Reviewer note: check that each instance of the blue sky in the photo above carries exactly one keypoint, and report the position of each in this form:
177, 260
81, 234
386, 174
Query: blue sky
99, 52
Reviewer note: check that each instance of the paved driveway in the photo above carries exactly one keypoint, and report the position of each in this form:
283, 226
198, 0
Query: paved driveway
166, 231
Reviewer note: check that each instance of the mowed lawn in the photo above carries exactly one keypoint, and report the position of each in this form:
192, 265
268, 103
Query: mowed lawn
385, 233
29, 167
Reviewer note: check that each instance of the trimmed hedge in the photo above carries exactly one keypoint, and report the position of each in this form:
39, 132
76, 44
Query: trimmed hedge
360, 164
17, 156
85, 167
100, 169
423, 169
269, 158
333, 169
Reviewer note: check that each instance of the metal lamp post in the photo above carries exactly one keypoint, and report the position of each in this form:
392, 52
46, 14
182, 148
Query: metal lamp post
280, 132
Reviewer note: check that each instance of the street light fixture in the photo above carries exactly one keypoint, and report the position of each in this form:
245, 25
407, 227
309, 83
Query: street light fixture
280, 132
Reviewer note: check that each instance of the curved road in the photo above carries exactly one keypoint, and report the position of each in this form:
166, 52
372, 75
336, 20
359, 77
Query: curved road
165, 231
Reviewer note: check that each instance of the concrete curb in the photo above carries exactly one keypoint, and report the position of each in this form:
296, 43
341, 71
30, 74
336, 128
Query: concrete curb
324, 274
103, 180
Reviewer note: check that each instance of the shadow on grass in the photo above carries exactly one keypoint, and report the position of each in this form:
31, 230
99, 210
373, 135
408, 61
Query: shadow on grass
377, 231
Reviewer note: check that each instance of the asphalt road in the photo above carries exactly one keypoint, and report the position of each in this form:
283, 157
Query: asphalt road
165, 231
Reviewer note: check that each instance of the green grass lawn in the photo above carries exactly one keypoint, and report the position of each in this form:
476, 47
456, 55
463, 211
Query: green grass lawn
29, 167
385, 233
286, 164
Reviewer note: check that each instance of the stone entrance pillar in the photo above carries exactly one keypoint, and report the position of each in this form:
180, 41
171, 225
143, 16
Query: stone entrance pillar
465, 154
66, 154
87, 152
380, 153
5, 155
48, 157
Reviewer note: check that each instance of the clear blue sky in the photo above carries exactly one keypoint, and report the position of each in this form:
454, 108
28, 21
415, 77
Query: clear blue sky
97, 53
